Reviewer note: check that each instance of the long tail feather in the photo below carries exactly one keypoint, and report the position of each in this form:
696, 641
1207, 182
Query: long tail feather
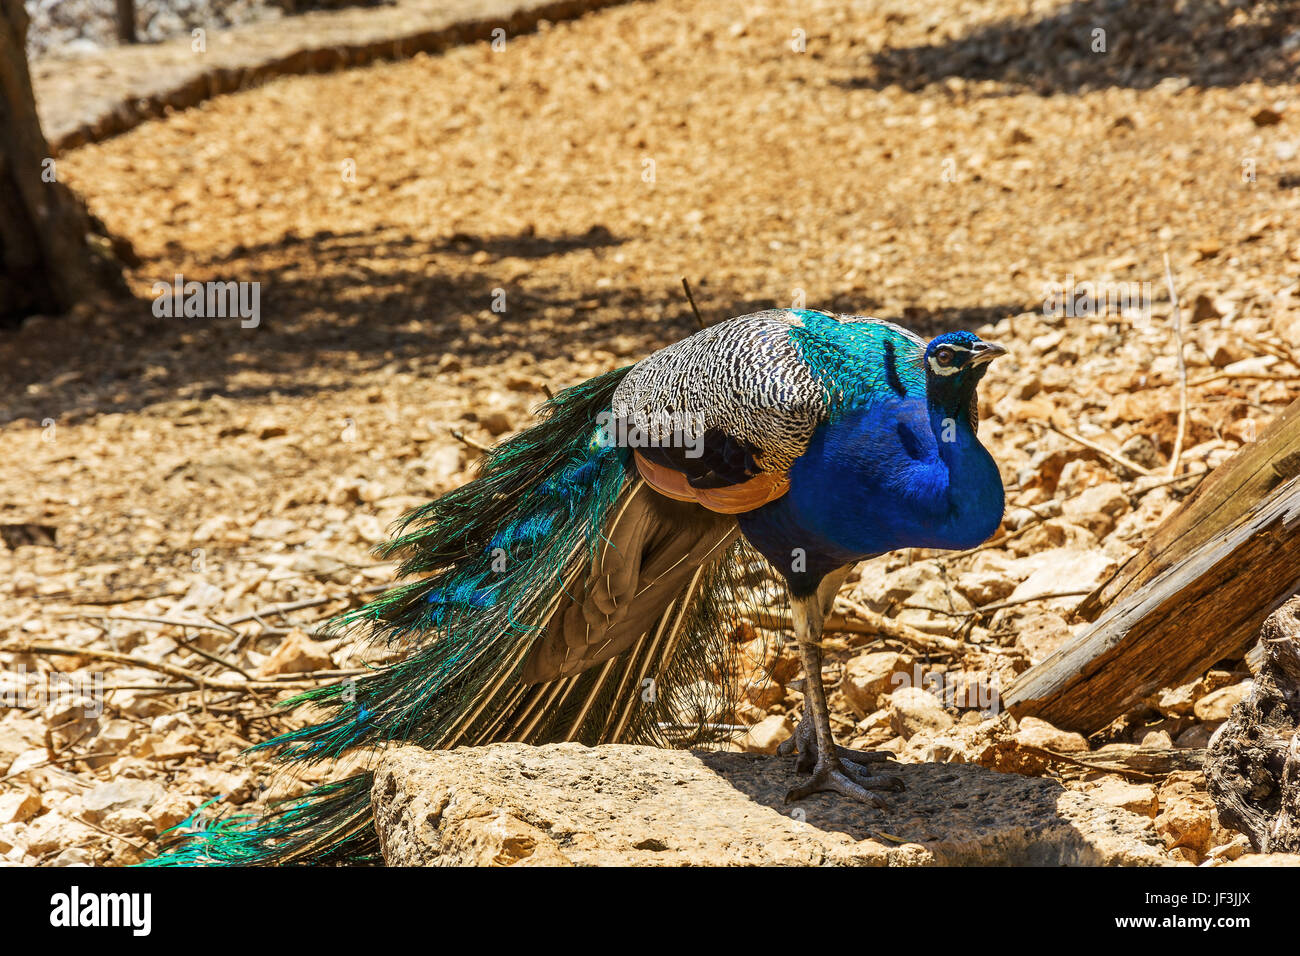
494, 560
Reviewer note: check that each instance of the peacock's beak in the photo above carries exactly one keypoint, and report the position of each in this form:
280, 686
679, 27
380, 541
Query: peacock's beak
985, 352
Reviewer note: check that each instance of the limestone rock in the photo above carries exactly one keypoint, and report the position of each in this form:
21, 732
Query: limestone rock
1156, 740
1063, 569
1040, 633
1139, 798
53, 831
912, 710
130, 823
991, 578
18, 735
297, 654
1096, 508
1266, 859
868, 677
1033, 732
766, 735
566, 804
19, 806
1187, 814
1178, 701
121, 795
1218, 704
911, 589
173, 809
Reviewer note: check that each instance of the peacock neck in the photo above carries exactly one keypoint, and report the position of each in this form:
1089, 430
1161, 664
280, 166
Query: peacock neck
973, 484
953, 434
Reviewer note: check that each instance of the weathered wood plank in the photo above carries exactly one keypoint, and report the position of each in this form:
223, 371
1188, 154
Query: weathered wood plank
1220, 501
1207, 606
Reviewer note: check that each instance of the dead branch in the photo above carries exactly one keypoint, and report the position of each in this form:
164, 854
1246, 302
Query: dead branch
277, 610
464, 439
200, 681
208, 625
1252, 770
691, 299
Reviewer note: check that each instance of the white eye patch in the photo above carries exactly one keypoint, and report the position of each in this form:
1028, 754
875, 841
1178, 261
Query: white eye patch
952, 369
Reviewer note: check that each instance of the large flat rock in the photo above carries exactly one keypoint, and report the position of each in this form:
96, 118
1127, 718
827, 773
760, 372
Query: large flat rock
567, 804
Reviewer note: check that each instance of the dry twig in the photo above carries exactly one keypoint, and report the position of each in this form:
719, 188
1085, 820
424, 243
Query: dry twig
1114, 456
999, 605
691, 299
208, 625
1182, 371
460, 436
277, 610
200, 681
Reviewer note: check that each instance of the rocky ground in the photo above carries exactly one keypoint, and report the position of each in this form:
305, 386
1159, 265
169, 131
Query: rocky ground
85, 26
195, 497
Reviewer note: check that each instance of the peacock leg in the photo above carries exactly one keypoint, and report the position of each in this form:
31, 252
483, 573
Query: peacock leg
804, 741
829, 772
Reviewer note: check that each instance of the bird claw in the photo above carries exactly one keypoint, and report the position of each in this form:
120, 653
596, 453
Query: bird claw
842, 772
804, 743
849, 781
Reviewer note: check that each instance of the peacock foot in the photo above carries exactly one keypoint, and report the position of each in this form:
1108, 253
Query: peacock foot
839, 772
850, 780
804, 743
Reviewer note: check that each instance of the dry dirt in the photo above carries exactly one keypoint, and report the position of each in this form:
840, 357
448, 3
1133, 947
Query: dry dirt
899, 165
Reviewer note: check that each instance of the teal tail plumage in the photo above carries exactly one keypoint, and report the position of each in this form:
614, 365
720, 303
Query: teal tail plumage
513, 627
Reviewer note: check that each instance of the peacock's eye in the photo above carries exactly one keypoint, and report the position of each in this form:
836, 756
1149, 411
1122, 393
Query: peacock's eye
944, 355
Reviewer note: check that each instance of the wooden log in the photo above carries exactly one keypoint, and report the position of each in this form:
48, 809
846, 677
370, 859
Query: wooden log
1252, 766
1219, 502
1207, 606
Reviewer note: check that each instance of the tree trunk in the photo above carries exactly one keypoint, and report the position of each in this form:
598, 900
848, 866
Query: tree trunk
48, 244
1219, 502
1253, 765
126, 21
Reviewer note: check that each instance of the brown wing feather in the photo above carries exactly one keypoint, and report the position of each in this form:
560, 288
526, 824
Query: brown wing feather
652, 548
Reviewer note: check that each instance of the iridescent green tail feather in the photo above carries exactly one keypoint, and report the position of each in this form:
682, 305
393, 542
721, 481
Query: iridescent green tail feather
491, 561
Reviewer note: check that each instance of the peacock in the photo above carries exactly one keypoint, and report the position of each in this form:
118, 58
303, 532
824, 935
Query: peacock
593, 571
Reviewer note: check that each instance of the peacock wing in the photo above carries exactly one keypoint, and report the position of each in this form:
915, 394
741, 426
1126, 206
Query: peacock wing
719, 418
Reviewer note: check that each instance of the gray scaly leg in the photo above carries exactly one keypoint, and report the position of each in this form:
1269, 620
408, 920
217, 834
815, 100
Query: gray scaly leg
804, 741
830, 773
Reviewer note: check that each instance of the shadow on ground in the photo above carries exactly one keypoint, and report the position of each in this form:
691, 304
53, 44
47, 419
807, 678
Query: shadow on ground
1207, 42
964, 814
335, 307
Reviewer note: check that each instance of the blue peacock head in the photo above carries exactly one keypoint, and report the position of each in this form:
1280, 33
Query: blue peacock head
954, 364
